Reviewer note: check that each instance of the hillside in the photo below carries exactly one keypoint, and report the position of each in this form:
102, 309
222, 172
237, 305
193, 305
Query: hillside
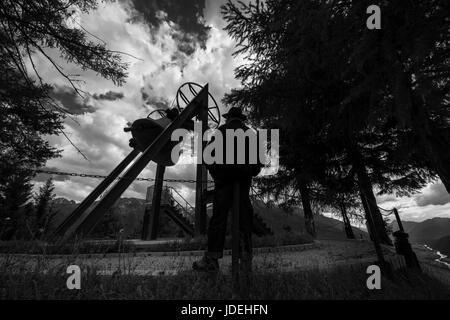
129, 211
442, 245
426, 232
280, 221
407, 225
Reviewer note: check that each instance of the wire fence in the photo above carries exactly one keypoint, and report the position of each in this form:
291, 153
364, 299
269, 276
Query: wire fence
98, 176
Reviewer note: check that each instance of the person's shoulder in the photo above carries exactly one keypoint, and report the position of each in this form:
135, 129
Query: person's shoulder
234, 124
222, 128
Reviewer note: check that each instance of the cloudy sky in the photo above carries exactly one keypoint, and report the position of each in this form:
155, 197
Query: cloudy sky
169, 43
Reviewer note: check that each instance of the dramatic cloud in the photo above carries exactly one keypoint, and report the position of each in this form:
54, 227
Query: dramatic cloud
432, 201
435, 194
166, 43
71, 101
110, 95
154, 102
187, 16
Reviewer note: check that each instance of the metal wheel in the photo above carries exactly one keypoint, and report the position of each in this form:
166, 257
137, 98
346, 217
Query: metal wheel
188, 91
160, 112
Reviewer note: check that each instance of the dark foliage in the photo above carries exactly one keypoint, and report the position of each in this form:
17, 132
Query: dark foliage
29, 29
319, 75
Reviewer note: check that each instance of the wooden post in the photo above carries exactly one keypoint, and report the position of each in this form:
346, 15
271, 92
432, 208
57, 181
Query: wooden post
235, 242
201, 177
151, 218
402, 245
399, 222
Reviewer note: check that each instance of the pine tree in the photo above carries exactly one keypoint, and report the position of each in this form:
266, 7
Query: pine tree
43, 210
407, 61
333, 110
27, 110
109, 225
15, 206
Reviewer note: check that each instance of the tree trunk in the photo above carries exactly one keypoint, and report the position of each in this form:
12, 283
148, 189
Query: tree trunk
307, 211
347, 225
373, 214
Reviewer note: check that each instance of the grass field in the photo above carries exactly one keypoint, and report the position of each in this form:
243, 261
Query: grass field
333, 270
184, 244
337, 283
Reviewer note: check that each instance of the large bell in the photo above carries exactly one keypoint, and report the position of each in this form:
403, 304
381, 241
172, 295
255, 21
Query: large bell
145, 131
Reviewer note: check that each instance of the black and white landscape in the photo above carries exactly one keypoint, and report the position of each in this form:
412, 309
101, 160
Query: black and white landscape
358, 91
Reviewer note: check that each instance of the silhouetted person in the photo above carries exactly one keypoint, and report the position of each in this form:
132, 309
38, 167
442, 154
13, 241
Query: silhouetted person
224, 176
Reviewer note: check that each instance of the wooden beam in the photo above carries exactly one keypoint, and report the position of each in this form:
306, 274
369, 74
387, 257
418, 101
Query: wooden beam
163, 138
150, 224
399, 222
201, 177
75, 216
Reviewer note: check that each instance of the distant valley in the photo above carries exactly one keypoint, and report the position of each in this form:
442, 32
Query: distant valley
432, 232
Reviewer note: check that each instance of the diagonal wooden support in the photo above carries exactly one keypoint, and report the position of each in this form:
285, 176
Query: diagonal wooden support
191, 110
201, 177
89, 200
150, 224
399, 221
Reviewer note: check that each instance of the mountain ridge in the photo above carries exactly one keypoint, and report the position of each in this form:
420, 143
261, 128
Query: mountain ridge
130, 211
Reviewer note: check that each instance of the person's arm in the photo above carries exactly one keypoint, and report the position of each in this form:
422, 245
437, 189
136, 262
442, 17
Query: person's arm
213, 167
256, 168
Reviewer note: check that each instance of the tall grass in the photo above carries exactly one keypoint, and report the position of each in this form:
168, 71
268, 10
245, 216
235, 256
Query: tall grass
336, 283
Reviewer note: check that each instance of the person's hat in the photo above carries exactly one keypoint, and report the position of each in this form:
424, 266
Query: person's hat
235, 112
